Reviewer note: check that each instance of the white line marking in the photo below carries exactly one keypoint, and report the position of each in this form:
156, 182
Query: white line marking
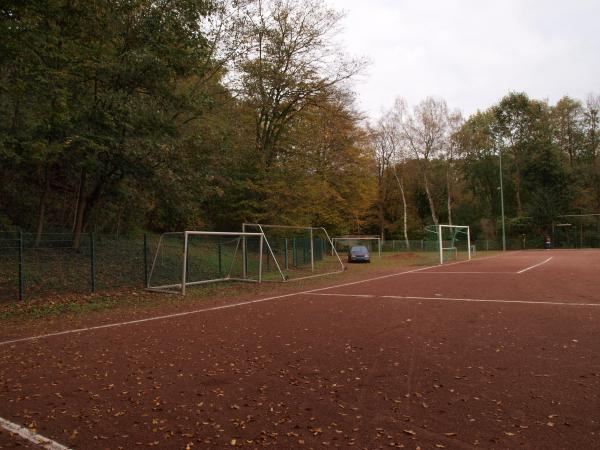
344, 295
451, 299
149, 319
486, 273
233, 305
535, 265
31, 436
400, 273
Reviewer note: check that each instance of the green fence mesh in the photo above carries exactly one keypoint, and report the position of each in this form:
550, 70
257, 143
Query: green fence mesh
35, 266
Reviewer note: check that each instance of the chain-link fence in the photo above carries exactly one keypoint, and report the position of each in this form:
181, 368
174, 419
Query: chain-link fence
33, 266
53, 263
565, 238
425, 245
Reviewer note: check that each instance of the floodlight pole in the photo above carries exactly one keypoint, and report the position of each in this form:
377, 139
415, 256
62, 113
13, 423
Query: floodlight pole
502, 202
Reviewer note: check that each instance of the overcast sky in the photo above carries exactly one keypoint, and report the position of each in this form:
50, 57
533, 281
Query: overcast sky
472, 52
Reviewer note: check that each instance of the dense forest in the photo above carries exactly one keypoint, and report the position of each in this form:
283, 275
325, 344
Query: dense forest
129, 115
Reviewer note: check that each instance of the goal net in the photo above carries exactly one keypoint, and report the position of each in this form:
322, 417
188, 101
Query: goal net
190, 258
295, 252
343, 243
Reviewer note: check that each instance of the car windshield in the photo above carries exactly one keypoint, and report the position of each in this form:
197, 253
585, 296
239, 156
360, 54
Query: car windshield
359, 250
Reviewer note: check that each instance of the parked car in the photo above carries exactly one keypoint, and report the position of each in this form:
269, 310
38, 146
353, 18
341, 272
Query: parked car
359, 253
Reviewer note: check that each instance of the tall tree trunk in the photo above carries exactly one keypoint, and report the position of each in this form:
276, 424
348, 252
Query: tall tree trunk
79, 210
404, 209
42, 210
430, 199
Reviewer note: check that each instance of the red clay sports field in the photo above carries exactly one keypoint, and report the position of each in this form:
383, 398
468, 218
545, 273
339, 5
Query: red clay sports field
495, 353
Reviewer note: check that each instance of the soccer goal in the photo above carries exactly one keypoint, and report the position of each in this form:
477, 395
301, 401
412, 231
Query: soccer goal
295, 252
453, 242
343, 243
190, 258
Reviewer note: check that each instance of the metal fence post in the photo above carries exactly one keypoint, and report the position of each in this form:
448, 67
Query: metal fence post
21, 268
322, 241
304, 251
267, 261
294, 252
245, 254
93, 261
146, 281
260, 255
184, 269
312, 251
220, 258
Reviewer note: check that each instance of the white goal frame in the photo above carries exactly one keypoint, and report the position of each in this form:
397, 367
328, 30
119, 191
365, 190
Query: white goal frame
441, 241
179, 288
359, 238
311, 230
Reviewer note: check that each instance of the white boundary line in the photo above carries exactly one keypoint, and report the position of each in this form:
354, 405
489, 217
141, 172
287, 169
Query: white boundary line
30, 436
397, 274
451, 299
486, 273
148, 319
534, 266
232, 305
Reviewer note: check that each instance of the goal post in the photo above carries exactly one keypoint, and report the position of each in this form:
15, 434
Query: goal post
295, 252
189, 258
342, 243
453, 241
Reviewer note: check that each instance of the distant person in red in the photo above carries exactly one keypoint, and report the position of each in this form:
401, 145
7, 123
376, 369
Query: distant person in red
547, 243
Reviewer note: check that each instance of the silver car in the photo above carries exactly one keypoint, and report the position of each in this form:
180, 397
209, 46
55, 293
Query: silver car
359, 253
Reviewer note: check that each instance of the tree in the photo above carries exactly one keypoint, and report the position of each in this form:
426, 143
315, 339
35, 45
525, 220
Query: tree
591, 142
523, 129
390, 154
384, 144
450, 152
426, 135
520, 127
291, 63
567, 118
116, 81
337, 166
476, 147
591, 123
35, 119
